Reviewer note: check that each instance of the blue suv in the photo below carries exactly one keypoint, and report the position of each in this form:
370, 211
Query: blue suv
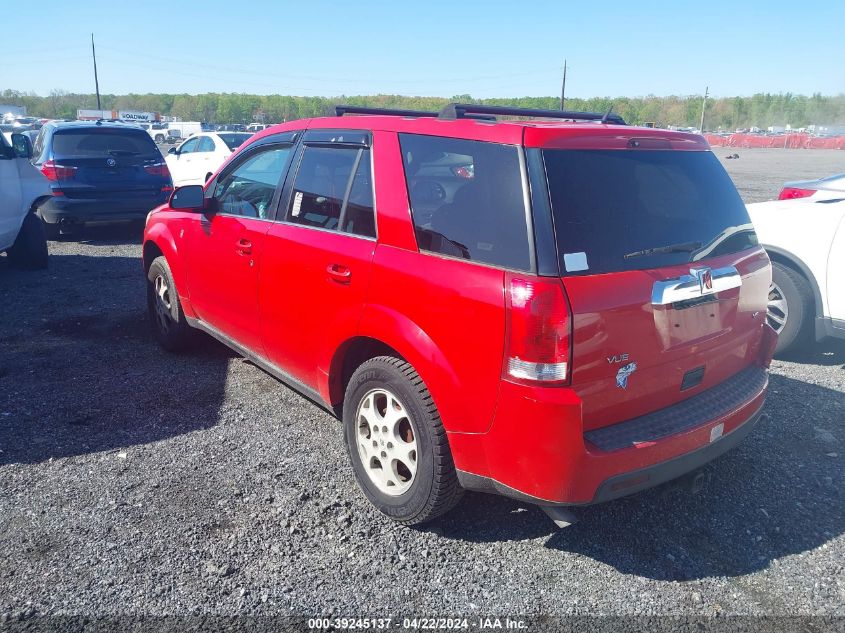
99, 172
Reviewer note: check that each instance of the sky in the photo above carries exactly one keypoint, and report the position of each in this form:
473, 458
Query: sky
432, 47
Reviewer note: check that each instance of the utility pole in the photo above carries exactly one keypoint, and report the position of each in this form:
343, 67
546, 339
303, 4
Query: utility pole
563, 86
96, 79
703, 105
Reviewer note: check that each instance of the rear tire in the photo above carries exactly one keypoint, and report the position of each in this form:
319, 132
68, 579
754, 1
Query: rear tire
169, 326
50, 230
790, 309
30, 248
397, 443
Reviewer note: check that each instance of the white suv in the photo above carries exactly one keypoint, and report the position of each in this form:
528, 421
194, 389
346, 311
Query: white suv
22, 188
805, 239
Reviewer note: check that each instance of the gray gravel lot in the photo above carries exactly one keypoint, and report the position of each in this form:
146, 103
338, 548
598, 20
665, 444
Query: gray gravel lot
137, 482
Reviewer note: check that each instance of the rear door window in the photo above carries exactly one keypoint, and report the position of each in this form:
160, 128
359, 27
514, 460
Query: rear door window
618, 210
333, 190
467, 199
206, 144
81, 143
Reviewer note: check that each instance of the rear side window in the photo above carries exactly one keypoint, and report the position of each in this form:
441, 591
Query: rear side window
612, 207
467, 199
99, 142
233, 141
333, 190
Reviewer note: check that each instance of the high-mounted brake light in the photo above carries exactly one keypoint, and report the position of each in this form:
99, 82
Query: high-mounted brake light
538, 331
790, 193
54, 172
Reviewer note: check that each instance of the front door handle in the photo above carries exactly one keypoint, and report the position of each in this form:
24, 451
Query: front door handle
244, 247
339, 273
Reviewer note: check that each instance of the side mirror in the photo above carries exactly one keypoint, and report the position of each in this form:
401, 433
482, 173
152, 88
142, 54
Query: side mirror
189, 197
22, 145
173, 151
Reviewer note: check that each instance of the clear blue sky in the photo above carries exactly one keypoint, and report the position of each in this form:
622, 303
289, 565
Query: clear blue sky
432, 48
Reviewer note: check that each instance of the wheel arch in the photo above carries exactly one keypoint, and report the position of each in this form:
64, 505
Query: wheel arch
384, 331
786, 258
158, 242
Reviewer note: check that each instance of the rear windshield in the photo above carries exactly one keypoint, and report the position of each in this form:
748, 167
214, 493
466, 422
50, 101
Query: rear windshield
94, 142
234, 141
612, 207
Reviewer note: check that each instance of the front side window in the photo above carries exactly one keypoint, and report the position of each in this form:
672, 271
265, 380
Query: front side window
248, 190
467, 199
333, 190
189, 147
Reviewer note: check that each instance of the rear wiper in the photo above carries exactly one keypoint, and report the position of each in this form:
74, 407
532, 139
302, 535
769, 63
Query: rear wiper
682, 247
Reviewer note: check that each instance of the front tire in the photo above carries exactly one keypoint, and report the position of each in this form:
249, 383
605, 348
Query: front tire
397, 443
169, 326
29, 251
790, 308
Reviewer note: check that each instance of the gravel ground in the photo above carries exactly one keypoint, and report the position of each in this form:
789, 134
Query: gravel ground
137, 482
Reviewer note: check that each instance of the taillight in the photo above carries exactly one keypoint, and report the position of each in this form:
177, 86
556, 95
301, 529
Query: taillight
158, 169
790, 193
55, 172
538, 331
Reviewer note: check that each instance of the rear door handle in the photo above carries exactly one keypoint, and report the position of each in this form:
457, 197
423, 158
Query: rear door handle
244, 247
339, 273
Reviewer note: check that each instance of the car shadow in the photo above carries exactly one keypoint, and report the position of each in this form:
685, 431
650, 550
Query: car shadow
829, 352
116, 234
80, 371
780, 493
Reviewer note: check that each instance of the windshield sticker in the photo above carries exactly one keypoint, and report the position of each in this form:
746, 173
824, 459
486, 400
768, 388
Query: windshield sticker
575, 262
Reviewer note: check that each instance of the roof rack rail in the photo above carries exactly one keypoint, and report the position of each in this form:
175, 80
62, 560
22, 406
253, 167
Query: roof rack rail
470, 110
341, 110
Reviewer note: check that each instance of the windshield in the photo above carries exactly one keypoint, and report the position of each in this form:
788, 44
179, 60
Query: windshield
100, 142
234, 141
658, 208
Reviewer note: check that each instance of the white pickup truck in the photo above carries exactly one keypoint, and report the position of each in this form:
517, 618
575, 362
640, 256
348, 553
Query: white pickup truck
22, 188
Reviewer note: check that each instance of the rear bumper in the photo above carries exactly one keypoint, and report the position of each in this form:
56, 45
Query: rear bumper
536, 449
59, 208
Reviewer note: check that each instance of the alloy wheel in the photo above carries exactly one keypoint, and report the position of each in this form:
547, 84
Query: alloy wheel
777, 310
162, 303
387, 442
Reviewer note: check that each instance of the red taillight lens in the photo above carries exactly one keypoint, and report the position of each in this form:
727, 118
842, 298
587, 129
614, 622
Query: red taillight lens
55, 172
538, 331
158, 169
790, 193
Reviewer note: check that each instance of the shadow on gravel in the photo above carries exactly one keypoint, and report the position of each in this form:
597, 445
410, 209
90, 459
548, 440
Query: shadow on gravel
829, 352
79, 370
780, 493
119, 234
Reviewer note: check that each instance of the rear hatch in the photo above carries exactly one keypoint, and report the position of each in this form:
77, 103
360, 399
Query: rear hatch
666, 281
109, 163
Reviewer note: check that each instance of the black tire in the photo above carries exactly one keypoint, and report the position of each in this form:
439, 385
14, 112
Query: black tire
30, 248
170, 328
796, 332
434, 489
50, 230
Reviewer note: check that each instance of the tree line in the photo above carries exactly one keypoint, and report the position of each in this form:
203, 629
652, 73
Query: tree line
726, 113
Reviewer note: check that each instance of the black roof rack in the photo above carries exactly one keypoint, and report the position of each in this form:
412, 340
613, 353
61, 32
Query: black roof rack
340, 110
467, 110
483, 113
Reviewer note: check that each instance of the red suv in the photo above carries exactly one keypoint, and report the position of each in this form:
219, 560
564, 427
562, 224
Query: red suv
563, 311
